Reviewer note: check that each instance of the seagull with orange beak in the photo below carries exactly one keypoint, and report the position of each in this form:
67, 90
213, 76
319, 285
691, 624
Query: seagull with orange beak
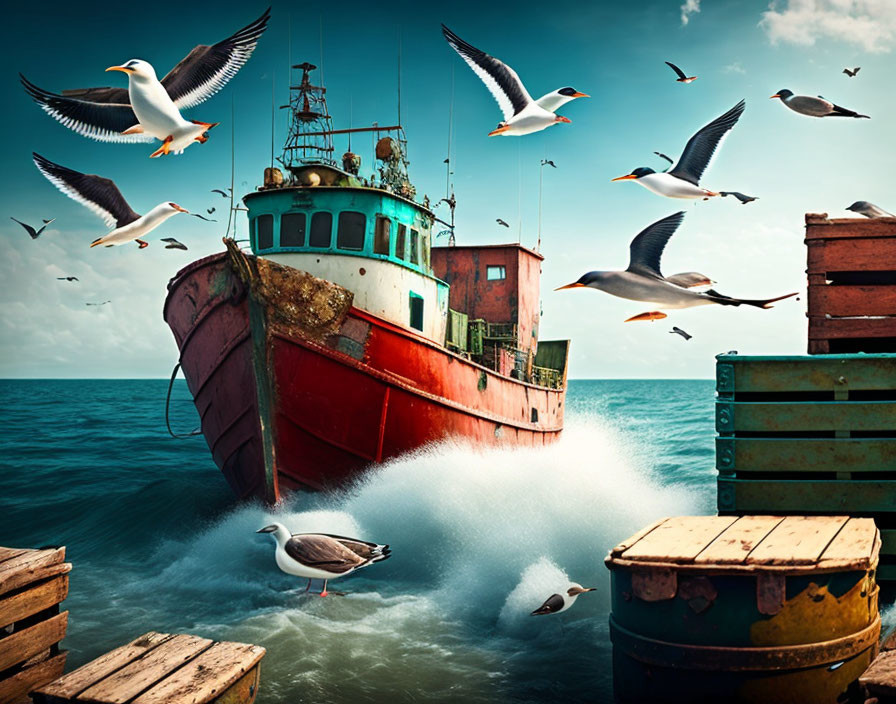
102, 196
522, 114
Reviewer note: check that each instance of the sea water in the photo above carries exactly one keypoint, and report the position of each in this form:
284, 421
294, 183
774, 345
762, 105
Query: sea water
479, 539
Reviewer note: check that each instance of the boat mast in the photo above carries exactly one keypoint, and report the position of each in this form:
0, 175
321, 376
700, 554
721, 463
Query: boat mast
310, 136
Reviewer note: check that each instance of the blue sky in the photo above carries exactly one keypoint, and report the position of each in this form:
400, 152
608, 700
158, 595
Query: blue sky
613, 51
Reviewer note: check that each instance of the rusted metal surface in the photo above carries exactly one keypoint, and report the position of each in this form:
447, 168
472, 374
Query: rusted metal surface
654, 584
770, 593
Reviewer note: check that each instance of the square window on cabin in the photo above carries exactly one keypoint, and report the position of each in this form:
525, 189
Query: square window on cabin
495, 273
264, 231
350, 234
381, 235
321, 230
416, 306
415, 245
292, 230
399, 241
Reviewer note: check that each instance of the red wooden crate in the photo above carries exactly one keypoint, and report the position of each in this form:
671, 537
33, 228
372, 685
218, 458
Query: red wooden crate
851, 266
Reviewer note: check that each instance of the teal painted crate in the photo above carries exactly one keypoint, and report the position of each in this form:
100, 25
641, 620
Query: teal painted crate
809, 435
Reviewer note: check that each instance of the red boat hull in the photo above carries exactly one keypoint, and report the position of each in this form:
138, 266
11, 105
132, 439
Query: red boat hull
307, 395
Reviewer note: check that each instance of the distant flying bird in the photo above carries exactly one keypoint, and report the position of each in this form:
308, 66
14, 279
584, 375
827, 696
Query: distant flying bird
501, 222
149, 109
210, 210
202, 217
548, 162
173, 243
643, 281
869, 210
67, 278
320, 555
852, 74
97, 304
679, 331
667, 158
223, 194
30, 230
682, 180
102, 196
557, 603
681, 77
813, 107
522, 115
740, 196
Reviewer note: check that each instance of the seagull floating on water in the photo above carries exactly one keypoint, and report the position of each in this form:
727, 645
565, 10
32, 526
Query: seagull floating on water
679, 331
853, 72
320, 555
67, 278
643, 281
173, 243
522, 115
682, 180
30, 230
681, 77
869, 210
149, 109
102, 196
557, 603
813, 107
501, 222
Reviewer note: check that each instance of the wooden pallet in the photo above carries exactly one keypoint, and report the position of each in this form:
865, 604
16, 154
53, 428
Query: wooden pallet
161, 668
852, 284
32, 585
809, 435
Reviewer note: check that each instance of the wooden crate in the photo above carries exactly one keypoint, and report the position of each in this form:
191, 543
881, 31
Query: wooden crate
32, 585
809, 435
161, 668
748, 609
852, 284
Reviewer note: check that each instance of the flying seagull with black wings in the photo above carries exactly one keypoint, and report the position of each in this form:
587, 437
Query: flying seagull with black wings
813, 107
683, 179
853, 72
30, 230
150, 109
172, 243
682, 78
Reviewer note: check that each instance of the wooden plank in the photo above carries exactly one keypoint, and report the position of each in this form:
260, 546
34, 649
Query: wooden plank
31, 601
857, 540
678, 539
628, 542
125, 684
797, 540
852, 300
30, 567
34, 676
7, 553
872, 254
28, 642
865, 455
880, 678
789, 416
850, 228
77, 681
806, 495
207, 677
733, 546
822, 328
787, 374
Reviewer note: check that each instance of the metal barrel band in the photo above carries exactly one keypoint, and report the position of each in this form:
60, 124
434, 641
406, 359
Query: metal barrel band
728, 659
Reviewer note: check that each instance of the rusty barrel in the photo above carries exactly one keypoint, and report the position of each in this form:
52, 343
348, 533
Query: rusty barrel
744, 609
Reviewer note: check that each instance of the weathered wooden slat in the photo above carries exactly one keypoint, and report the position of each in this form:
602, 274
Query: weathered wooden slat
206, 677
679, 539
125, 684
797, 540
77, 681
857, 540
852, 300
874, 253
818, 228
866, 455
37, 598
18, 686
739, 539
7, 553
805, 416
30, 567
880, 678
788, 374
821, 328
806, 496
628, 542
27, 643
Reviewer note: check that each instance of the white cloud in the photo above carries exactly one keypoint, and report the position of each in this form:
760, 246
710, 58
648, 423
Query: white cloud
871, 24
735, 67
689, 8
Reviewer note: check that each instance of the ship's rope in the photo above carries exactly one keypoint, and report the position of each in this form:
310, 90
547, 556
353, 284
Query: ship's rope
197, 431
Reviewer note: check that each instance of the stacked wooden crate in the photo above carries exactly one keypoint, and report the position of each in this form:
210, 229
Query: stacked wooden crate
809, 435
32, 584
852, 284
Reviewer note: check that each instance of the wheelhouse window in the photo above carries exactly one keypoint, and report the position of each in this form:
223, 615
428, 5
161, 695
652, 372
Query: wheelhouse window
321, 230
416, 302
400, 237
292, 230
415, 246
381, 235
424, 250
495, 273
264, 231
350, 234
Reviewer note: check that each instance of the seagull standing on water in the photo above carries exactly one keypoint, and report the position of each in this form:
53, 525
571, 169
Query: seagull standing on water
102, 196
813, 107
682, 180
522, 115
869, 210
557, 603
322, 556
150, 109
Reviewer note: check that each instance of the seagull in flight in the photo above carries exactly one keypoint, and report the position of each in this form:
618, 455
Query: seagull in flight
173, 243
522, 114
202, 217
501, 222
150, 109
813, 107
681, 77
548, 162
102, 196
682, 180
679, 331
558, 603
30, 230
643, 281
97, 304
67, 278
210, 210
869, 210
223, 194
853, 72
740, 196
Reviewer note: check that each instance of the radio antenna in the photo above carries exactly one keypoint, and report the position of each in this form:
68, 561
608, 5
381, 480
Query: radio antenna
272, 118
399, 75
322, 81
230, 218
